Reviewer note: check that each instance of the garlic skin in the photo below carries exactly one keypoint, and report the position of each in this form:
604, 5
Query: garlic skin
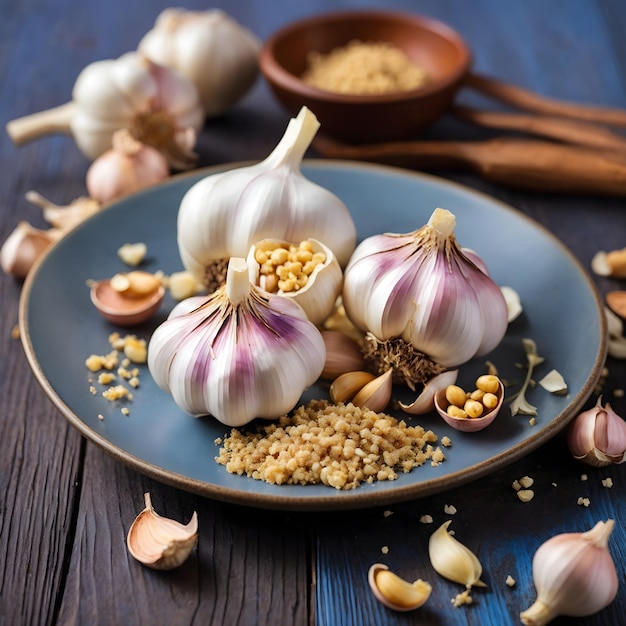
23, 247
597, 436
159, 106
224, 214
425, 402
208, 47
127, 167
243, 354
159, 542
574, 575
421, 287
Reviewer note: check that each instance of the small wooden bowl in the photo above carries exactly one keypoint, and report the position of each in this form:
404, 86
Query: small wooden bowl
430, 44
123, 310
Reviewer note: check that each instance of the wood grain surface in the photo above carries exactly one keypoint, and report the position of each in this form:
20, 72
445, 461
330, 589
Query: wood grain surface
65, 506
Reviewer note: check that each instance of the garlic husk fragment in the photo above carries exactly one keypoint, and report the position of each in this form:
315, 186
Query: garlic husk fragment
125, 168
343, 355
421, 287
64, 217
425, 402
554, 382
158, 105
224, 214
24, 246
453, 560
243, 354
159, 542
597, 436
318, 296
208, 47
574, 575
513, 302
395, 592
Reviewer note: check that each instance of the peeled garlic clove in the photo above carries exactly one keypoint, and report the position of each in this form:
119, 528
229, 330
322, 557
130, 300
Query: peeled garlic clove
376, 394
394, 592
314, 283
452, 560
597, 436
425, 402
574, 575
159, 542
346, 386
343, 355
23, 247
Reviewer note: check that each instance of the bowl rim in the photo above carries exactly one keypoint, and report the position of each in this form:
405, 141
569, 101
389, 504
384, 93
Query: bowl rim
274, 72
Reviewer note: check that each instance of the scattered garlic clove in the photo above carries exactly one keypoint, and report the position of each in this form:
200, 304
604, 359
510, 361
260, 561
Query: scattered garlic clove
617, 341
159, 542
376, 394
394, 592
132, 253
616, 301
574, 575
597, 436
346, 386
554, 382
23, 247
343, 355
425, 402
610, 263
513, 303
183, 285
452, 560
64, 217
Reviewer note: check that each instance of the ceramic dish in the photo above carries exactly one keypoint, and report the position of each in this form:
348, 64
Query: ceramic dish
60, 328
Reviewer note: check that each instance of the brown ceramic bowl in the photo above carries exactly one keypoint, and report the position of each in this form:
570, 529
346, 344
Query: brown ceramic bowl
431, 45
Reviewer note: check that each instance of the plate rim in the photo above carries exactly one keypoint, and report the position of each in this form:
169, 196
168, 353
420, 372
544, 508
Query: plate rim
360, 497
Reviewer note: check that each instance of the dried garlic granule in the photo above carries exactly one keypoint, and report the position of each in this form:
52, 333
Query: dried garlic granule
449, 509
340, 446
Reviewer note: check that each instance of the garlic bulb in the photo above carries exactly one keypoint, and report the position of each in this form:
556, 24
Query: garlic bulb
127, 167
24, 246
598, 436
224, 214
574, 575
159, 106
242, 354
211, 49
421, 287
159, 542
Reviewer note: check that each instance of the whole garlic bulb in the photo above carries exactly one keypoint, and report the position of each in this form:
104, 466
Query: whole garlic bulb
159, 106
211, 49
127, 167
243, 354
574, 574
598, 436
423, 288
224, 214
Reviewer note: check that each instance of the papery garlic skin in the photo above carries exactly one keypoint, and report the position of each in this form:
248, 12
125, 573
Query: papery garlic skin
243, 354
421, 287
598, 436
211, 49
127, 167
574, 575
224, 214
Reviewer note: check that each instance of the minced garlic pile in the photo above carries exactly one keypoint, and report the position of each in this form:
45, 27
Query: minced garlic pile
363, 68
337, 445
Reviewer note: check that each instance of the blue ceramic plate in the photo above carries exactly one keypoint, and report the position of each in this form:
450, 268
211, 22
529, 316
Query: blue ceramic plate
562, 313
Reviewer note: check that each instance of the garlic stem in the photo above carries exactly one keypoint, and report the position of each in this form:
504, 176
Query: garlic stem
443, 221
237, 281
31, 127
296, 139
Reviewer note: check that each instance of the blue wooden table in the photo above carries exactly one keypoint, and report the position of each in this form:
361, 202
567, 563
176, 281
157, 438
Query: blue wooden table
65, 506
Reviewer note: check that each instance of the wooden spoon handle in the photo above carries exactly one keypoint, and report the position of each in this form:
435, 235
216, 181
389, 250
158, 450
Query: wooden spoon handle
530, 101
561, 129
518, 163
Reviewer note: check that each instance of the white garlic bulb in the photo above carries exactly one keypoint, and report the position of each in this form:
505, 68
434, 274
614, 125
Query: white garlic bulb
224, 214
159, 106
574, 574
211, 49
423, 288
243, 354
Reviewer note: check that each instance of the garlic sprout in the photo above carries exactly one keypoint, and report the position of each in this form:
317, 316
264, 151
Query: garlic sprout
519, 404
240, 355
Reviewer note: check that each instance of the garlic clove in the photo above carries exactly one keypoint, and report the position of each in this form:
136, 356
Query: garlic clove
280, 267
425, 402
64, 217
574, 575
159, 542
513, 303
616, 301
343, 354
453, 560
597, 436
346, 386
132, 253
376, 394
23, 247
394, 592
